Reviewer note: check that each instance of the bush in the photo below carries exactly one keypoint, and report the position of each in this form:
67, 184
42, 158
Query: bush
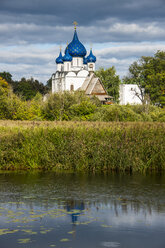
67, 105
116, 113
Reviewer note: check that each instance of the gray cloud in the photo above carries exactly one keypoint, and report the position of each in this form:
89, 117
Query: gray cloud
116, 32
40, 21
86, 11
121, 31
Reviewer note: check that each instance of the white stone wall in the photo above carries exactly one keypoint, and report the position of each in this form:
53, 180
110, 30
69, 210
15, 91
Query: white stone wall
59, 67
77, 63
127, 94
75, 79
67, 66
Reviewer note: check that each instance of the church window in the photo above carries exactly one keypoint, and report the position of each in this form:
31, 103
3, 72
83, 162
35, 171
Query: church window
71, 87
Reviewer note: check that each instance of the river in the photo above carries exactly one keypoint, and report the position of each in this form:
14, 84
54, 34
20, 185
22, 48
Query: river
67, 210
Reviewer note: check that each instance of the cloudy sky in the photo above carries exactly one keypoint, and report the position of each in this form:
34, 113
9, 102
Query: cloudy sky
120, 31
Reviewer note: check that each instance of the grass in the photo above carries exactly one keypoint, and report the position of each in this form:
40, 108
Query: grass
82, 146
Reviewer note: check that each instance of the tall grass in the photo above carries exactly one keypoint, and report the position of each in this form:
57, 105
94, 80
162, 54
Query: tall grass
92, 146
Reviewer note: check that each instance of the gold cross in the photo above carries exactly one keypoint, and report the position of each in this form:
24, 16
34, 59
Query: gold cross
75, 25
60, 48
91, 46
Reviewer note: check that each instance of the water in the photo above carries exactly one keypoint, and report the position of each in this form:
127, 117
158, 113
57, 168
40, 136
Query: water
41, 210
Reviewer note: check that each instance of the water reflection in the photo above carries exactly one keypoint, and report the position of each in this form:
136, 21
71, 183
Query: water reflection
123, 210
74, 209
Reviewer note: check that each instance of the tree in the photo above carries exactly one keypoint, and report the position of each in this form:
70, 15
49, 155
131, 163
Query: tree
67, 105
49, 84
149, 74
7, 76
110, 81
4, 91
28, 88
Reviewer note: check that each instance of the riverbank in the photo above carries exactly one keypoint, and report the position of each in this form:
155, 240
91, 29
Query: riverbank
80, 146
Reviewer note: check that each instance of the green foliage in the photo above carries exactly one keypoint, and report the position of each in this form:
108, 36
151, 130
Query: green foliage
4, 91
149, 74
116, 113
4, 87
70, 106
49, 84
82, 110
82, 146
7, 76
129, 113
13, 108
110, 81
28, 88
66, 105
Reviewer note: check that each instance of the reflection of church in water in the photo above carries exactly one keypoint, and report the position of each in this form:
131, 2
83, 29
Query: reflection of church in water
75, 209
75, 71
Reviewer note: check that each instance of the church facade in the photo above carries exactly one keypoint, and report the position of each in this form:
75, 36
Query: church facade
75, 71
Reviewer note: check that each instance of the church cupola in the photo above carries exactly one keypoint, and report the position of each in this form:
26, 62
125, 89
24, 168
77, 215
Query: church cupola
77, 50
59, 62
67, 58
75, 47
91, 59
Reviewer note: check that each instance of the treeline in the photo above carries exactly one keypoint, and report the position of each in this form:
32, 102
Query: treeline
74, 106
26, 89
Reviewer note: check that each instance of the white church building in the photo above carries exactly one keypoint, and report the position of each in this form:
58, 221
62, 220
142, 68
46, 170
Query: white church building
75, 71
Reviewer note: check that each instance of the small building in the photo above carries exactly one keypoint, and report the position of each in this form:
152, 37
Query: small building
129, 94
75, 71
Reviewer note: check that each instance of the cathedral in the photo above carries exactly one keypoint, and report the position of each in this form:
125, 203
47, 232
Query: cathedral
76, 71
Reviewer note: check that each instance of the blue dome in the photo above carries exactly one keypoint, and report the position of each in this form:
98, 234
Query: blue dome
59, 60
85, 61
67, 56
91, 58
76, 48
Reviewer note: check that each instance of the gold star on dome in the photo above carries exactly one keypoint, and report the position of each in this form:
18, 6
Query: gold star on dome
75, 24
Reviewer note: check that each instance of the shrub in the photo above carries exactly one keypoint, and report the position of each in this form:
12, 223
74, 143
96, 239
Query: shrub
116, 113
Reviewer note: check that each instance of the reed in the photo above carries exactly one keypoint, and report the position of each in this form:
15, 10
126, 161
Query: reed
82, 146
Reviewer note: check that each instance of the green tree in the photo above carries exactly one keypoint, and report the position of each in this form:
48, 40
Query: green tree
67, 105
149, 74
49, 84
4, 92
110, 81
28, 88
7, 76
4, 87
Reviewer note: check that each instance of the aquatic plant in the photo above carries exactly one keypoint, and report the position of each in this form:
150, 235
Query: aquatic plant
91, 146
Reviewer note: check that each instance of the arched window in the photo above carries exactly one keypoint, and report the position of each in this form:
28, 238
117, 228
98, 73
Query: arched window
71, 87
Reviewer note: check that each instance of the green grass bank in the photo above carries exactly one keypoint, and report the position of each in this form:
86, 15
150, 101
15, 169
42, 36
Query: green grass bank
90, 146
